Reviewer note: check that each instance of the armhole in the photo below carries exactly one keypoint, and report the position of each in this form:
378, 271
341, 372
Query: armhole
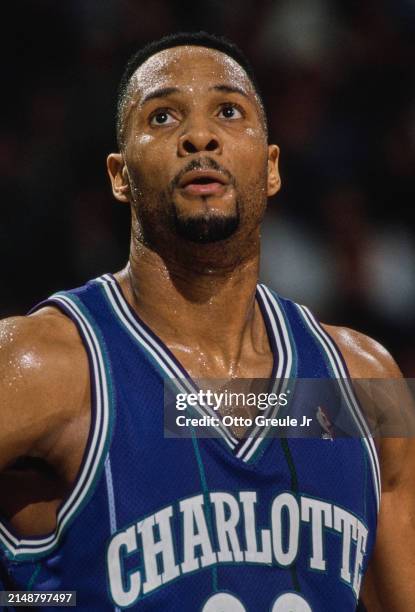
98, 441
338, 367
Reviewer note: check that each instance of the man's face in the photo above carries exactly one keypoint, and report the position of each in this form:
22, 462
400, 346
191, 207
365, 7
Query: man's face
196, 154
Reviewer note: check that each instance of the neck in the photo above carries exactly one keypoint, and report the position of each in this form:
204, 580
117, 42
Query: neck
208, 311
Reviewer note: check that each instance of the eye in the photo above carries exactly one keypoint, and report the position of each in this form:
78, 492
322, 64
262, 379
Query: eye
230, 111
162, 117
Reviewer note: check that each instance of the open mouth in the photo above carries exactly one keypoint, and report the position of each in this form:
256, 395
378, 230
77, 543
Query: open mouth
203, 183
203, 180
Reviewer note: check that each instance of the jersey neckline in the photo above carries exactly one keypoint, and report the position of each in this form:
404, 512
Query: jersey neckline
251, 446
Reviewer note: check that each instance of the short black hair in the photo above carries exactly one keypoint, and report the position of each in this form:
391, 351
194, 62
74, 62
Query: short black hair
198, 39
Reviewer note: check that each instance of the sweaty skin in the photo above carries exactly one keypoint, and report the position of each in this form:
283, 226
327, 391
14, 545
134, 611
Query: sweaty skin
185, 104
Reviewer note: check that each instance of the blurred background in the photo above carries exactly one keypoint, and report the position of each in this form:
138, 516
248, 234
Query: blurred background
338, 80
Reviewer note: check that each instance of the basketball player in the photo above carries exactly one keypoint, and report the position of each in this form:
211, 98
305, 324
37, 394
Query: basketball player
94, 498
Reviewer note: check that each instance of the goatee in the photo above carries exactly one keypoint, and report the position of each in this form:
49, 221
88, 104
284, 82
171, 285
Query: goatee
205, 229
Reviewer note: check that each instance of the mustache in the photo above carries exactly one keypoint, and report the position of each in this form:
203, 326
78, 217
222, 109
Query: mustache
202, 163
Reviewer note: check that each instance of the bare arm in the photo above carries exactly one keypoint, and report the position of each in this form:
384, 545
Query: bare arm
389, 584
43, 383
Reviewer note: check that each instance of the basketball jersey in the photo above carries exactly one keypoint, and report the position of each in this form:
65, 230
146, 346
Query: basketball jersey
212, 524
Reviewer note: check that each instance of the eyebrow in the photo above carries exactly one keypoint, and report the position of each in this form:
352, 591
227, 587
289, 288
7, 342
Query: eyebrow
229, 89
163, 92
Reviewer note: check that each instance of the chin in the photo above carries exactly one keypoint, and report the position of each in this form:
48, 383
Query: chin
203, 229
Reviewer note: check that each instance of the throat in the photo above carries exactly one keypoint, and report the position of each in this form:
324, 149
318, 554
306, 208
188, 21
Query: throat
203, 364
213, 324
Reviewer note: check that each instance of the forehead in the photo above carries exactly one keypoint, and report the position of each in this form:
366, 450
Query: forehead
188, 66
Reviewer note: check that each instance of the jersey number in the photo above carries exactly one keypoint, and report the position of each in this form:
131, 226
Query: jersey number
225, 602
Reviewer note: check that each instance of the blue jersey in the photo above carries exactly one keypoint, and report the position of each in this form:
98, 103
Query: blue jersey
213, 524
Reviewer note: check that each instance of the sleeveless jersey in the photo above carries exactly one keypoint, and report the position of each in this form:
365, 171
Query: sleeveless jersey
212, 524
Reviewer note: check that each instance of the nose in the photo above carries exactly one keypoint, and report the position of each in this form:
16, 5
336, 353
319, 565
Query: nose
197, 138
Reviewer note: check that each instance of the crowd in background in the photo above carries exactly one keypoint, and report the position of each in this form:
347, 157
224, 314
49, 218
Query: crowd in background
338, 81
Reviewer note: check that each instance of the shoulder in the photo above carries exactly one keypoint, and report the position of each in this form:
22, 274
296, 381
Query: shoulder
44, 378
364, 356
387, 403
40, 344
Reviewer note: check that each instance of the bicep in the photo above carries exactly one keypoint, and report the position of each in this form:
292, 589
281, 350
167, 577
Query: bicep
390, 581
389, 584
19, 414
38, 390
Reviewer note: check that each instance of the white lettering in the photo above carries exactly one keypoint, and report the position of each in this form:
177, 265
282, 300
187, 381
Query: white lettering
195, 533
360, 553
319, 513
164, 547
122, 595
252, 554
226, 527
346, 524
288, 502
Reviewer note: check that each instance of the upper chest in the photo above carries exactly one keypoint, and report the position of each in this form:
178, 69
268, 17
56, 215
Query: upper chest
201, 365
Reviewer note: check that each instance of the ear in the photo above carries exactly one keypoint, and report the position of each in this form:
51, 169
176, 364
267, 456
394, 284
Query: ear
274, 180
117, 171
